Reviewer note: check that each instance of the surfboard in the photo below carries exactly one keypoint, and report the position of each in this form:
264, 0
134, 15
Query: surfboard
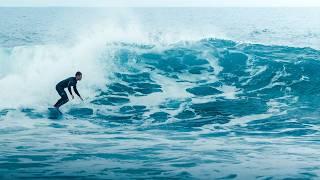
54, 113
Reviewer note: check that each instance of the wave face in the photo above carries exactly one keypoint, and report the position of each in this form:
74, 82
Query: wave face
212, 81
189, 109
193, 83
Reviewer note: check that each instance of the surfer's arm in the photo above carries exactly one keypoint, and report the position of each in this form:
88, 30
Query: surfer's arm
77, 92
69, 88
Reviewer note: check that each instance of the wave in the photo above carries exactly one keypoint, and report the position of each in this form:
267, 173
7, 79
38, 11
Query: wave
190, 83
156, 83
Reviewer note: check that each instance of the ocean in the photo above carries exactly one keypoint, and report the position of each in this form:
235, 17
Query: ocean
169, 93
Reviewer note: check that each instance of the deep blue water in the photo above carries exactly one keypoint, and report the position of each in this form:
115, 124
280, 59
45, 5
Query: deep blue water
167, 106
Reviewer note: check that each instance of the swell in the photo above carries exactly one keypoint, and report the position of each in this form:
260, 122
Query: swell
197, 83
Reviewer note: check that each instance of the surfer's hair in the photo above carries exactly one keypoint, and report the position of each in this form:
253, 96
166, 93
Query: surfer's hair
78, 73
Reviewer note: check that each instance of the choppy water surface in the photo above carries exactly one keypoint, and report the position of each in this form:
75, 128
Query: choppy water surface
160, 103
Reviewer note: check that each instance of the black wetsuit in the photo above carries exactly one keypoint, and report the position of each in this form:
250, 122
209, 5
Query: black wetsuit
67, 83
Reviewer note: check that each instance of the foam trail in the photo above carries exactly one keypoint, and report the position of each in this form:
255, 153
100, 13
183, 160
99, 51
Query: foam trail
33, 72
29, 73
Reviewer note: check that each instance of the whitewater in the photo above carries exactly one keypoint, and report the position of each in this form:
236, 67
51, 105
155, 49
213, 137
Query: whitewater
170, 93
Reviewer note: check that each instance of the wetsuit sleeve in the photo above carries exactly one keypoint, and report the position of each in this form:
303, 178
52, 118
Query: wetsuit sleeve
76, 90
69, 87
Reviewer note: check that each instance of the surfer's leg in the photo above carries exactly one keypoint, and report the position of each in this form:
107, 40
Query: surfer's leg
64, 98
56, 105
61, 101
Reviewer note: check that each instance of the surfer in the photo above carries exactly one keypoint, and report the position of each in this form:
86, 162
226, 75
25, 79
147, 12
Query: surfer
67, 83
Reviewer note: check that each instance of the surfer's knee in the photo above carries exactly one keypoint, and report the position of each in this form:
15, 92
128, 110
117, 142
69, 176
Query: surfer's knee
65, 99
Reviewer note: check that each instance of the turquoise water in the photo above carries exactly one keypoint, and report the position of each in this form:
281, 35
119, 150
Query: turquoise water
169, 93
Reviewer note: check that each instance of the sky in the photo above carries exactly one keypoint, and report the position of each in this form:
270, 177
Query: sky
164, 3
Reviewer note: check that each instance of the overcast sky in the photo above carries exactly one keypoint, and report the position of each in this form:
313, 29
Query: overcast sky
164, 3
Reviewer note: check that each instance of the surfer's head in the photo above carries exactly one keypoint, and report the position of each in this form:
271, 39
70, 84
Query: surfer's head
78, 76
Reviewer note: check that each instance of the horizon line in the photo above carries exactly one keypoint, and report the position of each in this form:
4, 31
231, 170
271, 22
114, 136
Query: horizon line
56, 6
